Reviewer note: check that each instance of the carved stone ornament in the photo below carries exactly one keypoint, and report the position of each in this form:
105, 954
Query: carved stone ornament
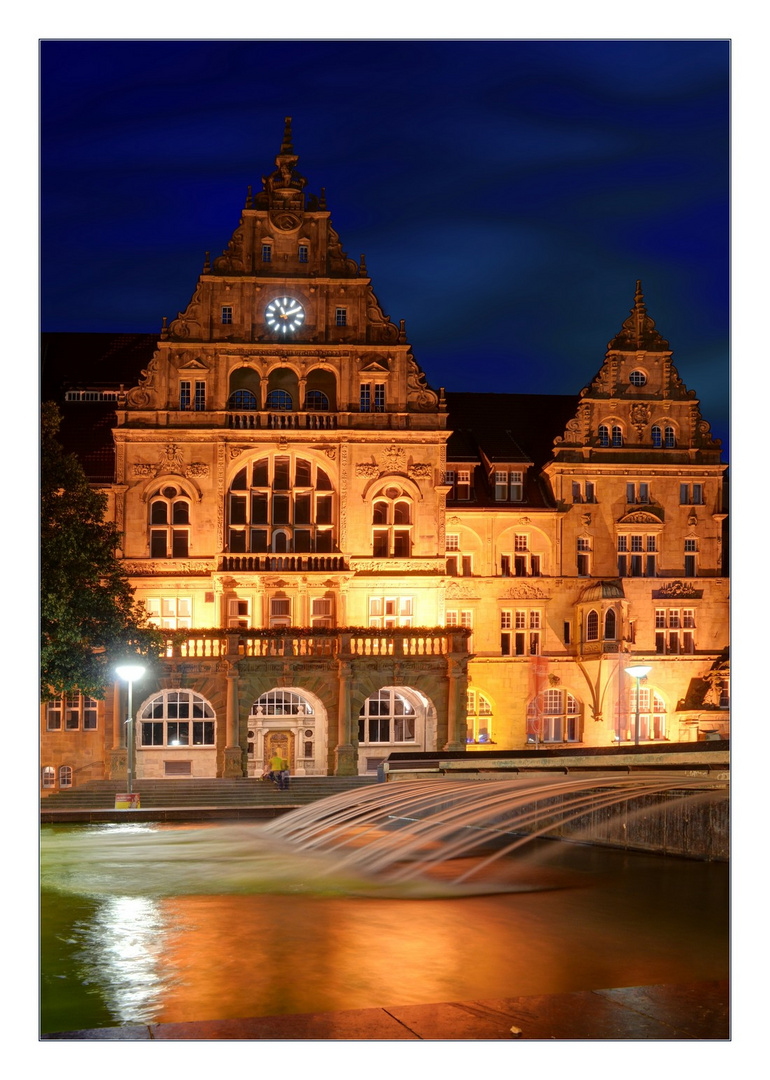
526, 592
678, 589
394, 459
171, 461
331, 452
236, 451
143, 469
197, 468
419, 471
367, 470
693, 518
640, 417
418, 394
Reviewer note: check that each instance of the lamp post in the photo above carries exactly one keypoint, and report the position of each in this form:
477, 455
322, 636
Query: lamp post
130, 673
638, 672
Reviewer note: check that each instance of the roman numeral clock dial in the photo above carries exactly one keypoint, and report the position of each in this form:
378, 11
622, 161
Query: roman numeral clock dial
285, 315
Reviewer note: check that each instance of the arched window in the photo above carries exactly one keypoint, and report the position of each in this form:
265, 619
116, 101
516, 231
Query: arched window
617, 435
592, 626
610, 625
278, 399
169, 524
637, 378
479, 719
177, 718
657, 436
242, 399
387, 717
669, 438
49, 776
281, 703
65, 776
317, 401
554, 716
652, 714
392, 524
282, 504
604, 435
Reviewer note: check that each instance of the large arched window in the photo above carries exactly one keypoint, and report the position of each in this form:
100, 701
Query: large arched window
279, 399
242, 399
281, 703
387, 717
316, 401
554, 716
283, 503
169, 523
392, 524
65, 776
177, 718
610, 625
592, 626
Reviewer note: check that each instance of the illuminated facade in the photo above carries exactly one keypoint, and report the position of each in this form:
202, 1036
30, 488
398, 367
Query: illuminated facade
348, 562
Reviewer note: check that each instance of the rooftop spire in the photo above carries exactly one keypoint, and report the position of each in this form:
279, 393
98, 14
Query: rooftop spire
286, 145
638, 332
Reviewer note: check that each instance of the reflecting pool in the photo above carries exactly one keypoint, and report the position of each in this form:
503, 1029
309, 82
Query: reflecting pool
157, 924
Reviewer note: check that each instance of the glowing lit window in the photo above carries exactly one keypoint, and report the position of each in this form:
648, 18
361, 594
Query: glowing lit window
177, 718
387, 717
554, 716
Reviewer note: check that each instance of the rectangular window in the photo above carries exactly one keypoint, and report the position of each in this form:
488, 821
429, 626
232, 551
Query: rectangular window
567, 633
452, 618
169, 612
697, 494
517, 486
689, 566
185, 390
390, 611
453, 542
590, 492
379, 397
464, 484
501, 486
366, 397
341, 316
200, 396
227, 314
267, 253
53, 716
303, 253
280, 611
238, 612
321, 611
520, 542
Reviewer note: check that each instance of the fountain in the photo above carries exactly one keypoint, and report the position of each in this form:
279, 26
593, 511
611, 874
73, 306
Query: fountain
401, 831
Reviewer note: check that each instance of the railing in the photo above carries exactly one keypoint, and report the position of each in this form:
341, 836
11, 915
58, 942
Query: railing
272, 563
404, 642
283, 419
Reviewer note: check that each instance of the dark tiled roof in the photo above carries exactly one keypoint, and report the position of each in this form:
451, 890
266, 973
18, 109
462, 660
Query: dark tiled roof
68, 361
507, 427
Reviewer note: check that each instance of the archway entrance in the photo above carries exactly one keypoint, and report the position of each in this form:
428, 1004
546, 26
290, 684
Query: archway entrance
292, 722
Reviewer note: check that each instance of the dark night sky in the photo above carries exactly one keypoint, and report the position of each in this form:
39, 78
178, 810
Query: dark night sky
506, 194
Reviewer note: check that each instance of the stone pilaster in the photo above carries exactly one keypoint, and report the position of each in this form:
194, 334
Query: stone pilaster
456, 705
346, 763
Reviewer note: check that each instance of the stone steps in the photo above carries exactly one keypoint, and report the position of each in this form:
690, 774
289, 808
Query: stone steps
226, 793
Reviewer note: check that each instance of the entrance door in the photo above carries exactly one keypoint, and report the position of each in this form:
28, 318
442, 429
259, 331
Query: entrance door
281, 742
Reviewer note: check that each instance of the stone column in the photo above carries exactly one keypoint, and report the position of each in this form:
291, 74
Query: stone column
345, 752
456, 703
117, 751
233, 762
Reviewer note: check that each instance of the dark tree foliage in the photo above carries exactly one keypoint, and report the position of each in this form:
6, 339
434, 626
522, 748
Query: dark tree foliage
89, 618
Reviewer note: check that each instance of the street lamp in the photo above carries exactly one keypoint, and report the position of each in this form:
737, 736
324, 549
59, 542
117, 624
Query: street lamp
638, 672
131, 673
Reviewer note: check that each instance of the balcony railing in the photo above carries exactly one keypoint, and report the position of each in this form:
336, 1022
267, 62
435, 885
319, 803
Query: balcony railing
282, 420
285, 563
340, 643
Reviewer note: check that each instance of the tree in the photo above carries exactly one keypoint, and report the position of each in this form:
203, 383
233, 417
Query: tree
88, 613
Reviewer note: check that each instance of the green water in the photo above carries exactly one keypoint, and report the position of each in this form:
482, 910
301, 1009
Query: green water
146, 924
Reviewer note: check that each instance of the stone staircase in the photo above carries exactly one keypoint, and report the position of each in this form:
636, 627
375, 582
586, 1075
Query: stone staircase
237, 796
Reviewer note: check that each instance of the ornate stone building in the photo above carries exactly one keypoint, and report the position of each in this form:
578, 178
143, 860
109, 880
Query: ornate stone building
348, 562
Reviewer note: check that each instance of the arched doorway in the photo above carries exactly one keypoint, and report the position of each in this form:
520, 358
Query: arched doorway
394, 718
292, 722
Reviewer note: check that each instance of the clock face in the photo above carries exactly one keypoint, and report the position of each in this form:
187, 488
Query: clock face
285, 315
